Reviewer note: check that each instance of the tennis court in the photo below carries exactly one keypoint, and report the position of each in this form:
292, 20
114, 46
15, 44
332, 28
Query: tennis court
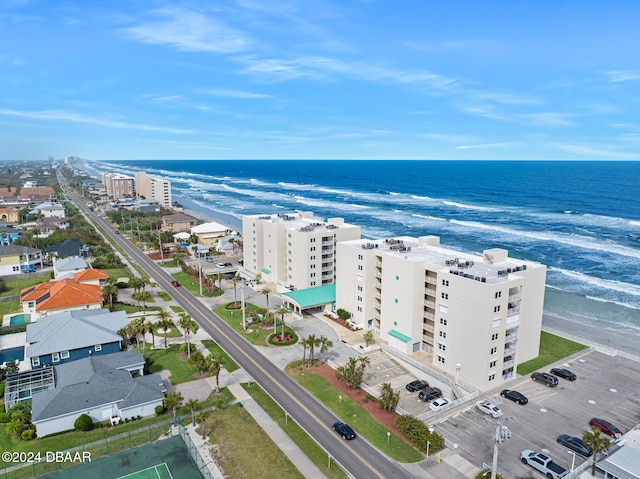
165, 459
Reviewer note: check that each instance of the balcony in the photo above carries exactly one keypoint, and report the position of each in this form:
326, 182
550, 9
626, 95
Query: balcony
427, 327
427, 339
378, 263
508, 364
510, 338
508, 350
378, 274
377, 295
430, 279
429, 316
515, 297
513, 311
430, 304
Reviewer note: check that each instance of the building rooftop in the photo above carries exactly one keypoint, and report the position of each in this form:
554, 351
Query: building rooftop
62, 294
305, 222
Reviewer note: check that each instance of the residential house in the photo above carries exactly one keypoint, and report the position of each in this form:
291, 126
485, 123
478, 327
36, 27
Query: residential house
46, 226
19, 259
178, 222
209, 233
69, 247
67, 267
8, 234
72, 335
101, 387
9, 215
55, 210
92, 276
53, 297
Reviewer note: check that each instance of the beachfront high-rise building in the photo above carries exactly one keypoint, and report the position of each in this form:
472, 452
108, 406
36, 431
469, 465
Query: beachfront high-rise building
118, 186
295, 250
472, 317
153, 189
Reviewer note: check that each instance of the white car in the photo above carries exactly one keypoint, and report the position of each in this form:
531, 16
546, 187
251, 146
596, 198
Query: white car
487, 408
440, 404
221, 265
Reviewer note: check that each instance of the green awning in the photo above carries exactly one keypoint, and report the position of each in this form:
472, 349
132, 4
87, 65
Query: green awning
266, 271
311, 297
400, 336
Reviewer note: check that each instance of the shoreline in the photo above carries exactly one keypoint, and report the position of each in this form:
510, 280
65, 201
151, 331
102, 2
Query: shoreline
580, 332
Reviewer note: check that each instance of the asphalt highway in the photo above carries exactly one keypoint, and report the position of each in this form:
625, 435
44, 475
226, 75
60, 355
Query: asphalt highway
358, 457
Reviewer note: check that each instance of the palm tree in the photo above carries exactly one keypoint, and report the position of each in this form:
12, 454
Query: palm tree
304, 344
202, 419
144, 296
282, 311
235, 289
192, 404
189, 326
165, 323
368, 337
325, 344
173, 401
364, 362
215, 363
312, 341
266, 291
141, 326
151, 328
593, 438
110, 293
135, 283
125, 336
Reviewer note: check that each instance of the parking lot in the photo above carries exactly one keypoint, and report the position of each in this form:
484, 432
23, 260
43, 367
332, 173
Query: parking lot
606, 387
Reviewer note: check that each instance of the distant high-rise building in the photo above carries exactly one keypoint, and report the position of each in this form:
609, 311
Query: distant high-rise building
153, 189
118, 186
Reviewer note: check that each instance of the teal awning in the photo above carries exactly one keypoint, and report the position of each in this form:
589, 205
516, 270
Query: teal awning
400, 336
310, 297
266, 271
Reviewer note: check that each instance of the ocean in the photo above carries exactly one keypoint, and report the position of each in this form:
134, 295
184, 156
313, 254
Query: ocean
581, 219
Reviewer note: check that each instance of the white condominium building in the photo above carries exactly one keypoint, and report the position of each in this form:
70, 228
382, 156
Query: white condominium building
118, 186
153, 189
295, 250
472, 317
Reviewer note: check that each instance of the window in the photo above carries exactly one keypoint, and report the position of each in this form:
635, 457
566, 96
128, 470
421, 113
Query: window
359, 309
494, 350
498, 294
492, 377
312, 275
360, 257
64, 355
445, 295
313, 248
98, 347
496, 309
55, 357
313, 266
443, 321
313, 240
442, 347
35, 361
443, 334
493, 363
360, 298
441, 359
359, 267
445, 282
359, 288
313, 257
494, 336
313, 283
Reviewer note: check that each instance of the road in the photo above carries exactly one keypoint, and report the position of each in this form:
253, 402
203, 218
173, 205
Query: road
358, 457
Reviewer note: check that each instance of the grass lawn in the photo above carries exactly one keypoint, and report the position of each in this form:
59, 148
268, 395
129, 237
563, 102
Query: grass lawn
14, 286
172, 332
229, 364
168, 264
254, 333
552, 348
129, 309
119, 273
177, 309
297, 435
10, 307
164, 296
159, 359
358, 418
247, 449
188, 283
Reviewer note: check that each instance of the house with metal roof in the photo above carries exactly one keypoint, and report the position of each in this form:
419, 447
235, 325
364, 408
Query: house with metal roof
101, 387
67, 267
74, 335
209, 233
19, 259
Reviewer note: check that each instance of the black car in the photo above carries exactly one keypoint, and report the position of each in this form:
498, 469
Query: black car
429, 393
514, 396
564, 373
575, 444
417, 385
548, 379
344, 430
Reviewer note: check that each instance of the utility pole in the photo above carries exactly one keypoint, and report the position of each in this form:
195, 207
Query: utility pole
200, 273
501, 435
244, 323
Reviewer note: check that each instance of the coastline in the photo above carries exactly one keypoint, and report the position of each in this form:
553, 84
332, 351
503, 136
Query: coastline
590, 335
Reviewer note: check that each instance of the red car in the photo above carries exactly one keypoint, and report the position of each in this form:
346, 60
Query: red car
606, 427
175, 283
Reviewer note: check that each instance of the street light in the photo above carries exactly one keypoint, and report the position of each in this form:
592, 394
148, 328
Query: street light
431, 429
199, 273
388, 437
340, 399
573, 461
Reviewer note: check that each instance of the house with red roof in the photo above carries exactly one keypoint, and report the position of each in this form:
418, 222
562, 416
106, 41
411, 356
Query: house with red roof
92, 276
53, 297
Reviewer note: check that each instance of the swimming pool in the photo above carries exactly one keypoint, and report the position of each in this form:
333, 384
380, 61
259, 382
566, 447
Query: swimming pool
11, 353
21, 318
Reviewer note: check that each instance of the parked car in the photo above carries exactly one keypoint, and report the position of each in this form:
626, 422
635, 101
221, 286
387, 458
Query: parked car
440, 404
229, 275
175, 283
344, 430
429, 393
487, 408
606, 427
241, 262
227, 265
417, 385
575, 444
543, 463
514, 396
550, 380
564, 373
221, 265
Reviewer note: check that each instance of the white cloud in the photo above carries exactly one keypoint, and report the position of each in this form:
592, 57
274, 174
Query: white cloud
594, 152
189, 30
62, 115
223, 92
485, 145
548, 119
617, 76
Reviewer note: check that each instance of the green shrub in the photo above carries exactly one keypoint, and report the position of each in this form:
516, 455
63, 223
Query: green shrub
159, 410
83, 423
418, 433
28, 434
4, 417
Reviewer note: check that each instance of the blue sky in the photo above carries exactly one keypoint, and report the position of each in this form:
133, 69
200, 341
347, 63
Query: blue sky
379, 79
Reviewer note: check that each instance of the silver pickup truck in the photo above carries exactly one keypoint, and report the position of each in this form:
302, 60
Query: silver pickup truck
543, 463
